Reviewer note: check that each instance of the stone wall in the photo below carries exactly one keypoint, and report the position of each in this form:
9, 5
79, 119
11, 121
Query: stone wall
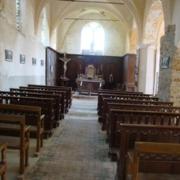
167, 51
175, 82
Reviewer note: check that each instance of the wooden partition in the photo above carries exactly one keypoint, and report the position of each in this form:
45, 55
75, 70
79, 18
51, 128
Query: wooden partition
122, 69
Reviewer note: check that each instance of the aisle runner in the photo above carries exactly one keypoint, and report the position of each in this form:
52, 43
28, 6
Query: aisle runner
77, 150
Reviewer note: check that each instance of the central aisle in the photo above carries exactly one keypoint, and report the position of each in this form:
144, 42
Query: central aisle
77, 150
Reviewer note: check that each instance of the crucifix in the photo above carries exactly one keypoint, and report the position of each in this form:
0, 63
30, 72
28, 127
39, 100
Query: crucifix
65, 60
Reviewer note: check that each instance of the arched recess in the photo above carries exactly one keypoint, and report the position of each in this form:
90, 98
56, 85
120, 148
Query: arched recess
115, 43
133, 38
154, 29
43, 28
39, 6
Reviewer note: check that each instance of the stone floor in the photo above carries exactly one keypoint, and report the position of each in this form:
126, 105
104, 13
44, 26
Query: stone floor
77, 150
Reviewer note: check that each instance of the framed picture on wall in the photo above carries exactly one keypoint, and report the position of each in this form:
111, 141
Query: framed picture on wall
42, 62
22, 59
33, 61
8, 55
164, 63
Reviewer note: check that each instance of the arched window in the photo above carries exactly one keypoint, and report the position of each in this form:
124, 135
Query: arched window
92, 39
18, 15
44, 29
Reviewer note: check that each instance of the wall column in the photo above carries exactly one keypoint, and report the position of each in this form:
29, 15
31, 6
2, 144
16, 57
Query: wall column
166, 63
147, 55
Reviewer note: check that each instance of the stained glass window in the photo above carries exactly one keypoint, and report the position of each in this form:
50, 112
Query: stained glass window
18, 15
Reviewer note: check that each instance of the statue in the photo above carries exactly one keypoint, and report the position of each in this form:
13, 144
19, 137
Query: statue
90, 71
65, 60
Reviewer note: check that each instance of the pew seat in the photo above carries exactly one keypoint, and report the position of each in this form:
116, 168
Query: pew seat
20, 142
144, 150
3, 163
151, 161
34, 118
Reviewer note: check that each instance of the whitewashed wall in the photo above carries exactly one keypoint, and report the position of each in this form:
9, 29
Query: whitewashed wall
14, 74
69, 36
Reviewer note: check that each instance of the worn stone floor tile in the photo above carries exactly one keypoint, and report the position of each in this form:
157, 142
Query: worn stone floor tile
77, 150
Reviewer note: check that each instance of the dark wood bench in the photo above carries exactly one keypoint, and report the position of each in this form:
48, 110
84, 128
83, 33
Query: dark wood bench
3, 162
149, 162
130, 101
46, 91
135, 117
34, 118
126, 106
9, 122
67, 89
124, 97
57, 100
112, 93
47, 107
147, 148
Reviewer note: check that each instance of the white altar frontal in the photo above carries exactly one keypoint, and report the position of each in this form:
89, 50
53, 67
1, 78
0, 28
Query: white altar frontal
89, 82
89, 86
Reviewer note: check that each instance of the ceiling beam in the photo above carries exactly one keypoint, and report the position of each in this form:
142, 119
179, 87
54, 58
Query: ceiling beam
84, 19
100, 2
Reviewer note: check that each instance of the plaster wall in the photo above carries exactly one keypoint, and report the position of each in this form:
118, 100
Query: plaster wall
115, 36
142, 68
14, 74
146, 69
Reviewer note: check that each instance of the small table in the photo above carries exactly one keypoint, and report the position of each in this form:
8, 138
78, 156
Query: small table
89, 85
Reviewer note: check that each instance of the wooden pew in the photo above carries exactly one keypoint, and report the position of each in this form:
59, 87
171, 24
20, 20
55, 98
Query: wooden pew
112, 93
67, 89
54, 91
163, 107
9, 122
34, 118
135, 117
123, 97
57, 100
130, 133
3, 163
47, 107
46, 91
146, 148
129, 101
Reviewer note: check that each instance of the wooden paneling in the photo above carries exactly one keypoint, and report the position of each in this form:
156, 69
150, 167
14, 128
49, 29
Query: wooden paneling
123, 73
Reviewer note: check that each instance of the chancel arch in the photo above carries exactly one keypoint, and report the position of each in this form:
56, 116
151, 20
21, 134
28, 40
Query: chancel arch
44, 27
154, 29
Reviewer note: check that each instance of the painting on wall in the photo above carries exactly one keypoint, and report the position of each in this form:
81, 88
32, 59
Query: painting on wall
8, 55
164, 63
33, 61
42, 62
22, 59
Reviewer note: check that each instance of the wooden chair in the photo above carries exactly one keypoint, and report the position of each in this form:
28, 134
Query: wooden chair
34, 118
47, 106
10, 122
3, 163
142, 148
149, 162
136, 117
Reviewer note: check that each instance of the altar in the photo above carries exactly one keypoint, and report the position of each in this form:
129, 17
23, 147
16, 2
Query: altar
89, 86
